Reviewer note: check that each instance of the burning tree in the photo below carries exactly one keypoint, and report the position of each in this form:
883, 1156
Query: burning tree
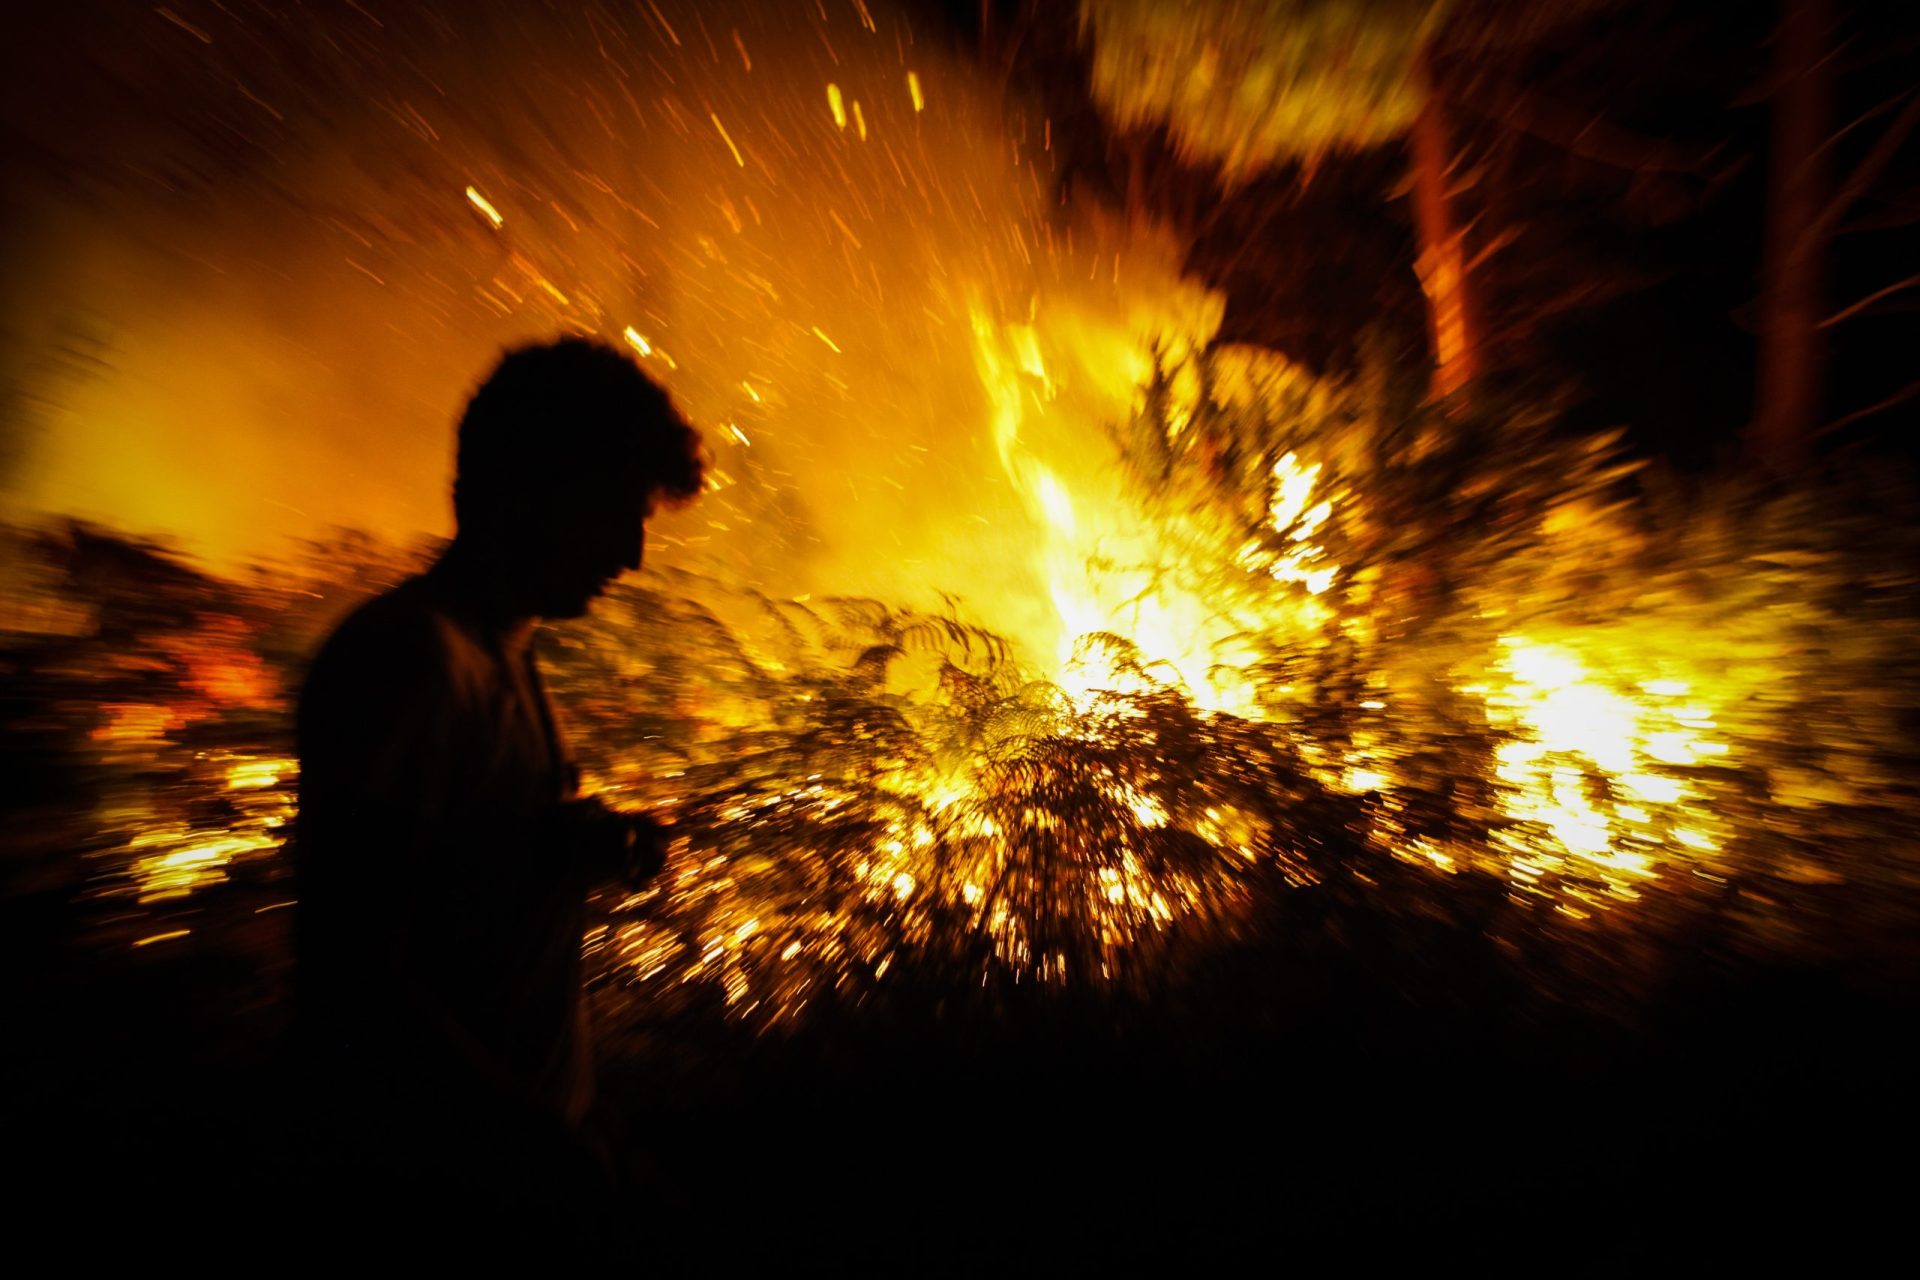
1250, 86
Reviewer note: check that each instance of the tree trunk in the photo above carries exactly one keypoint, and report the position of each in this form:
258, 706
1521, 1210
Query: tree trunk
1787, 391
1442, 262
1136, 179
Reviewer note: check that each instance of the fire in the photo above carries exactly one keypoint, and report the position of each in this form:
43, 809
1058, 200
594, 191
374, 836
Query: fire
1289, 515
1105, 565
1592, 767
1594, 764
1595, 768
174, 861
939, 673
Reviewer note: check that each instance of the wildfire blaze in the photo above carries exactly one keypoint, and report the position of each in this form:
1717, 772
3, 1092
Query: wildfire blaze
1028, 634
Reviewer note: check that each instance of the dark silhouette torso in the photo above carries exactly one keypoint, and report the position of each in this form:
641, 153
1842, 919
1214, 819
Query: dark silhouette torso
439, 930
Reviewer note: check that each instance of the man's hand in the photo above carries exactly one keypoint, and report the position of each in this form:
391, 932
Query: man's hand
646, 849
609, 844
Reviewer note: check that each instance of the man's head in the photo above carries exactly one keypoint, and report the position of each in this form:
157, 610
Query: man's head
565, 450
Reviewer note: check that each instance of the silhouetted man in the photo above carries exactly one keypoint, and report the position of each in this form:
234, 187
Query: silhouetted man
444, 857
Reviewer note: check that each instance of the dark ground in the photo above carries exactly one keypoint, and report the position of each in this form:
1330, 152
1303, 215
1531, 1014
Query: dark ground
1292, 1103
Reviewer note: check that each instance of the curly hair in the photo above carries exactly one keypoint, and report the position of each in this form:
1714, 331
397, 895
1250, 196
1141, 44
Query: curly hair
569, 418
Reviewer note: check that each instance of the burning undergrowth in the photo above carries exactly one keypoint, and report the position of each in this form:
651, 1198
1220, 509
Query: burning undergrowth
985, 825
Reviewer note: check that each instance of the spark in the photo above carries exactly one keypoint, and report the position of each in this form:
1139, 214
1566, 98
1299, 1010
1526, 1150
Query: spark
714, 116
185, 26
665, 25
485, 206
840, 222
859, 120
913, 91
821, 334
638, 343
837, 105
163, 937
257, 101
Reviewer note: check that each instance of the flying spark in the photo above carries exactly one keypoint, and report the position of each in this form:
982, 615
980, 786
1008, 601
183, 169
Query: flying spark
713, 116
485, 206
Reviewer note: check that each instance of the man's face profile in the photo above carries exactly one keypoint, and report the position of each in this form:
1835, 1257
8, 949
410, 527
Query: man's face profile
588, 544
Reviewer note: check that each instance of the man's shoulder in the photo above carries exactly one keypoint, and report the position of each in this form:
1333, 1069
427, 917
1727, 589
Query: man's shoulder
401, 636
404, 615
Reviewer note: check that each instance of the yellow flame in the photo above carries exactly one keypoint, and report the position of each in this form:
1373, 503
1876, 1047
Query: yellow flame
1581, 740
189, 860
250, 775
1104, 564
